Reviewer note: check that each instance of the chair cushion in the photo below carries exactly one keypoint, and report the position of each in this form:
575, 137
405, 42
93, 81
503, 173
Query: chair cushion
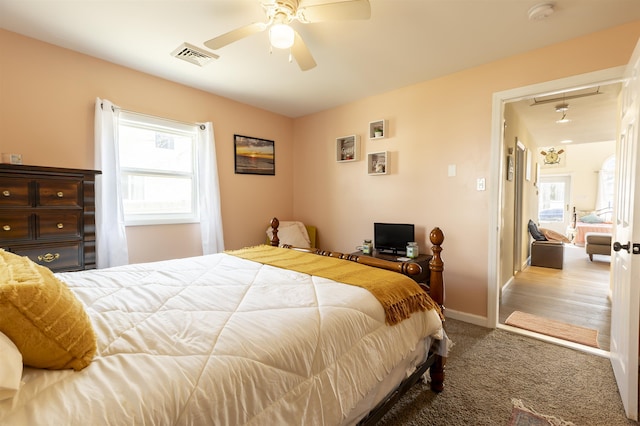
598, 238
535, 232
552, 235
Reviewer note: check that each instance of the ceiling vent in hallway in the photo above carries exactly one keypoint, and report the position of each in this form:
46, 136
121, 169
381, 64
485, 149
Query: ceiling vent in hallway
191, 53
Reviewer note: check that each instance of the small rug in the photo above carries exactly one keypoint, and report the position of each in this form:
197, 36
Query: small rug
523, 416
573, 333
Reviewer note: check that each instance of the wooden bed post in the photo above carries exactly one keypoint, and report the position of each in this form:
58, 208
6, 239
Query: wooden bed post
436, 291
275, 241
436, 265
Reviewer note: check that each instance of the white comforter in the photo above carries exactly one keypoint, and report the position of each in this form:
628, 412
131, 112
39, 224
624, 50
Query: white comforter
218, 340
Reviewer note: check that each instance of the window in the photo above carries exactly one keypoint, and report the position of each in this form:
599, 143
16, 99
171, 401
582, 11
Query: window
553, 198
158, 170
606, 178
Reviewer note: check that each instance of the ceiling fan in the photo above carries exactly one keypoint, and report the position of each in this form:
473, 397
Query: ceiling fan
281, 13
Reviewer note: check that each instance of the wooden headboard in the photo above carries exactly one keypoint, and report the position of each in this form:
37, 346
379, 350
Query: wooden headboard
436, 265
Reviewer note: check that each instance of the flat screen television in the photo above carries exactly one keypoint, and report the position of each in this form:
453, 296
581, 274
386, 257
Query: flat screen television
392, 237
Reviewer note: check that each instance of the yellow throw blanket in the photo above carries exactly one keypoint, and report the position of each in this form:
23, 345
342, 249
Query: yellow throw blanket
399, 295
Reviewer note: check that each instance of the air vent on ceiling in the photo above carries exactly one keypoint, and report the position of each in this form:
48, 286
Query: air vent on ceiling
190, 53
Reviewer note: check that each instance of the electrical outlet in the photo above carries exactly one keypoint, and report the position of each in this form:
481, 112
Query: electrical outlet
480, 184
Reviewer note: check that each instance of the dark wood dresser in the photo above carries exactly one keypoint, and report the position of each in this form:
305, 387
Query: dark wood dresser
48, 214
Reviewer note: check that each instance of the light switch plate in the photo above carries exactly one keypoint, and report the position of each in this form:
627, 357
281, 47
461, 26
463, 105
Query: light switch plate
12, 158
480, 184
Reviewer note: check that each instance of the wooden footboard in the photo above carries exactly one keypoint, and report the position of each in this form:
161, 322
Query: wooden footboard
436, 266
435, 363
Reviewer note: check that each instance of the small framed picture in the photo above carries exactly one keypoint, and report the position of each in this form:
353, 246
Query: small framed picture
377, 163
347, 148
377, 129
254, 156
510, 168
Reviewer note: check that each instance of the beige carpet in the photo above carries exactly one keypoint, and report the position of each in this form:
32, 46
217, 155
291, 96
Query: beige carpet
488, 368
573, 333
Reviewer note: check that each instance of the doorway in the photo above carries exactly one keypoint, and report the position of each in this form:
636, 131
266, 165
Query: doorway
554, 201
498, 246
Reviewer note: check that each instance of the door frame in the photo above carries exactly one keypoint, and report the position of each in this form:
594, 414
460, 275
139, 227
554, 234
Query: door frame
517, 214
497, 166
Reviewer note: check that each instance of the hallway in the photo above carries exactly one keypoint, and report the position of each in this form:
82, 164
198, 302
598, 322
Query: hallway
576, 294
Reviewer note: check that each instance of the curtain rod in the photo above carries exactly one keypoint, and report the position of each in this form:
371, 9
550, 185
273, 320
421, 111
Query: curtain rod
185, 123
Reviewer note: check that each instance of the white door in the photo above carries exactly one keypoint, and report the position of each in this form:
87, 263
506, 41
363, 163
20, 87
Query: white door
625, 280
554, 197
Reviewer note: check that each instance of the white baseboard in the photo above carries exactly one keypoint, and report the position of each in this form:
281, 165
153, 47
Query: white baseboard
509, 281
465, 317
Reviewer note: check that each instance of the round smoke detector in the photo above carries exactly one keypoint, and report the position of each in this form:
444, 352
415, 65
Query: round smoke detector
540, 11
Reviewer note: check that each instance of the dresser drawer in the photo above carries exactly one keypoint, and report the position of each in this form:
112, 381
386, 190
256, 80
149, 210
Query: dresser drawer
14, 193
57, 257
59, 225
15, 226
58, 193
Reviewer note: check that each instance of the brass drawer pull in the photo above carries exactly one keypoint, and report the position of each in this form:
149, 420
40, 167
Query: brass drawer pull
60, 225
49, 257
6, 193
6, 228
60, 194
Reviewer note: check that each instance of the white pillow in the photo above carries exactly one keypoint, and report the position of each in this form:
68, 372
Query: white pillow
292, 233
11, 371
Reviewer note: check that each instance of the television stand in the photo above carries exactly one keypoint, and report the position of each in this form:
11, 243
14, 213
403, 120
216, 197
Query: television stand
422, 260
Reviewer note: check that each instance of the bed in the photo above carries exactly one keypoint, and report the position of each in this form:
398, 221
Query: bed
226, 339
596, 221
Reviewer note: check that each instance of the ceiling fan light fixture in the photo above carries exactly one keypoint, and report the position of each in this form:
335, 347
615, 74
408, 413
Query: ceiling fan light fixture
281, 36
540, 12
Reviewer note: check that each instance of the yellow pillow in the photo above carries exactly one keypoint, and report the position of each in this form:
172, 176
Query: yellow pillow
41, 315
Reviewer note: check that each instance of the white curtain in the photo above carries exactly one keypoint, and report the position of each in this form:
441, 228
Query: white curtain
111, 238
606, 176
601, 192
209, 192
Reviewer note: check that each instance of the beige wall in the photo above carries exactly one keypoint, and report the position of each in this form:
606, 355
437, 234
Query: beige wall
514, 132
582, 163
47, 97
46, 113
433, 124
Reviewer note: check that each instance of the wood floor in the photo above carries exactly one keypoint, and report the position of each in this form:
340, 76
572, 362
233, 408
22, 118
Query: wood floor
576, 294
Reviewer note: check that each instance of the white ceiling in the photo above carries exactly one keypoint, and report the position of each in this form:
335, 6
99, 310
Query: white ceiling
592, 114
404, 42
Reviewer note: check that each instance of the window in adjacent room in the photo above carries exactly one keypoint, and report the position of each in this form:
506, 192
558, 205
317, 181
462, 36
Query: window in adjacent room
553, 199
604, 197
158, 170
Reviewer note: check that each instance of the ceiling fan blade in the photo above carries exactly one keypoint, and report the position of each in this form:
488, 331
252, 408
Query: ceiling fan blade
235, 35
301, 53
343, 10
